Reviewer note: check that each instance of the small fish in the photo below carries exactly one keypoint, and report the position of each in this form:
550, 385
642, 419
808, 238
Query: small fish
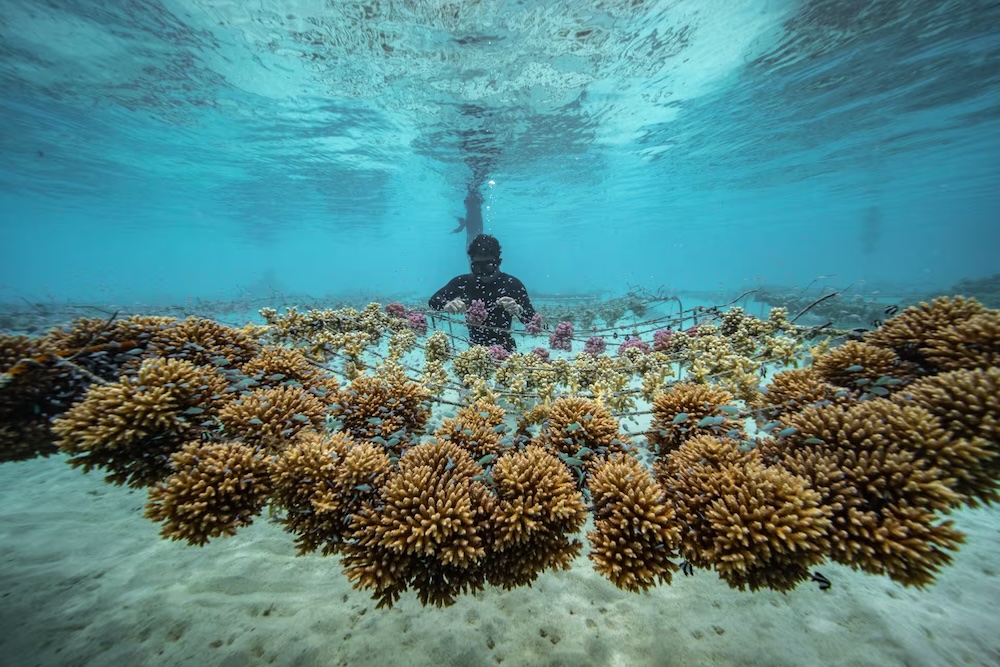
706, 422
276, 376
300, 417
573, 426
449, 465
374, 420
879, 391
891, 310
813, 441
733, 433
729, 409
785, 432
886, 381
571, 460
194, 411
680, 418
500, 428
255, 421
770, 426
467, 431
484, 414
824, 583
363, 487
854, 368
486, 459
583, 451
220, 361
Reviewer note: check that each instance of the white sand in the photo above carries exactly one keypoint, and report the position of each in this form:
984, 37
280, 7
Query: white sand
87, 581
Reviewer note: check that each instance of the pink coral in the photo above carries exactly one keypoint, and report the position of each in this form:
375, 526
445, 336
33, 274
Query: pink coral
541, 353
633, 343
476, 313
534, 325
396, 309
661, 340
562, 337
499, 352
418, 322
594, 346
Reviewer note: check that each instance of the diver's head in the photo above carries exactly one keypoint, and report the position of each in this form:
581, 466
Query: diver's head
484, 258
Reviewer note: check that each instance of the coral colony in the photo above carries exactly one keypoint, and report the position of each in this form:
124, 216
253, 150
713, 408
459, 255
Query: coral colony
855, 453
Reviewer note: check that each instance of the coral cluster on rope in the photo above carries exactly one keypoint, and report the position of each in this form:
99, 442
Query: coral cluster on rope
857, 458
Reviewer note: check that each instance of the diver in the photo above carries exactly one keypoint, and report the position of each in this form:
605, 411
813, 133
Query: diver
503, 294
472, 223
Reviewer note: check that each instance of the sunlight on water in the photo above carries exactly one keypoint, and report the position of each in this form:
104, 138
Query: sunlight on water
686, 123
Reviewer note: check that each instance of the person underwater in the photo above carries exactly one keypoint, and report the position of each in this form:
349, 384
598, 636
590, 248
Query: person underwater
504, 295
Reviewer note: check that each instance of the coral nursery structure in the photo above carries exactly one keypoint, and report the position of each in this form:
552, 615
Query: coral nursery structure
373, 441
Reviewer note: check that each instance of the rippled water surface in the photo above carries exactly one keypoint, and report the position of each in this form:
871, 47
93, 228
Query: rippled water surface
196, 147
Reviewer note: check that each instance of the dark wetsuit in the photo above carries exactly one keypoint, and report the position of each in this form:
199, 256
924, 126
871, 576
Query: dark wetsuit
496, 329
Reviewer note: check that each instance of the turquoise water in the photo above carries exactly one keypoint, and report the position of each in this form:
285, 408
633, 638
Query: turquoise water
169, 150
212, 157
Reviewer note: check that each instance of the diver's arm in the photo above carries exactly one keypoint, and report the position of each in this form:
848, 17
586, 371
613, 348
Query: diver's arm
453, 290
520, 295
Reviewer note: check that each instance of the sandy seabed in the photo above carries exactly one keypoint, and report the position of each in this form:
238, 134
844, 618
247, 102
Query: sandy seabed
87, 581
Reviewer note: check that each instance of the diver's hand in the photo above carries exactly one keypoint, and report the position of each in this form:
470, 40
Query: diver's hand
510, 305
455, 306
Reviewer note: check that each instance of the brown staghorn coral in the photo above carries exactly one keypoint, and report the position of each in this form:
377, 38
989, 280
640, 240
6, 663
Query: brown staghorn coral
793, 389
131, 427
538, 510
580, 428
967, 402
115, 344
478, 428
636, 533
204, 342
689, 474
276, 366
214, 489
855, 364
271, 418
89, 331
391, 408
757, 526
881, 469
321, 481
908, 332
427, 529
33, 389
678, 412
768, 527
971, 343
